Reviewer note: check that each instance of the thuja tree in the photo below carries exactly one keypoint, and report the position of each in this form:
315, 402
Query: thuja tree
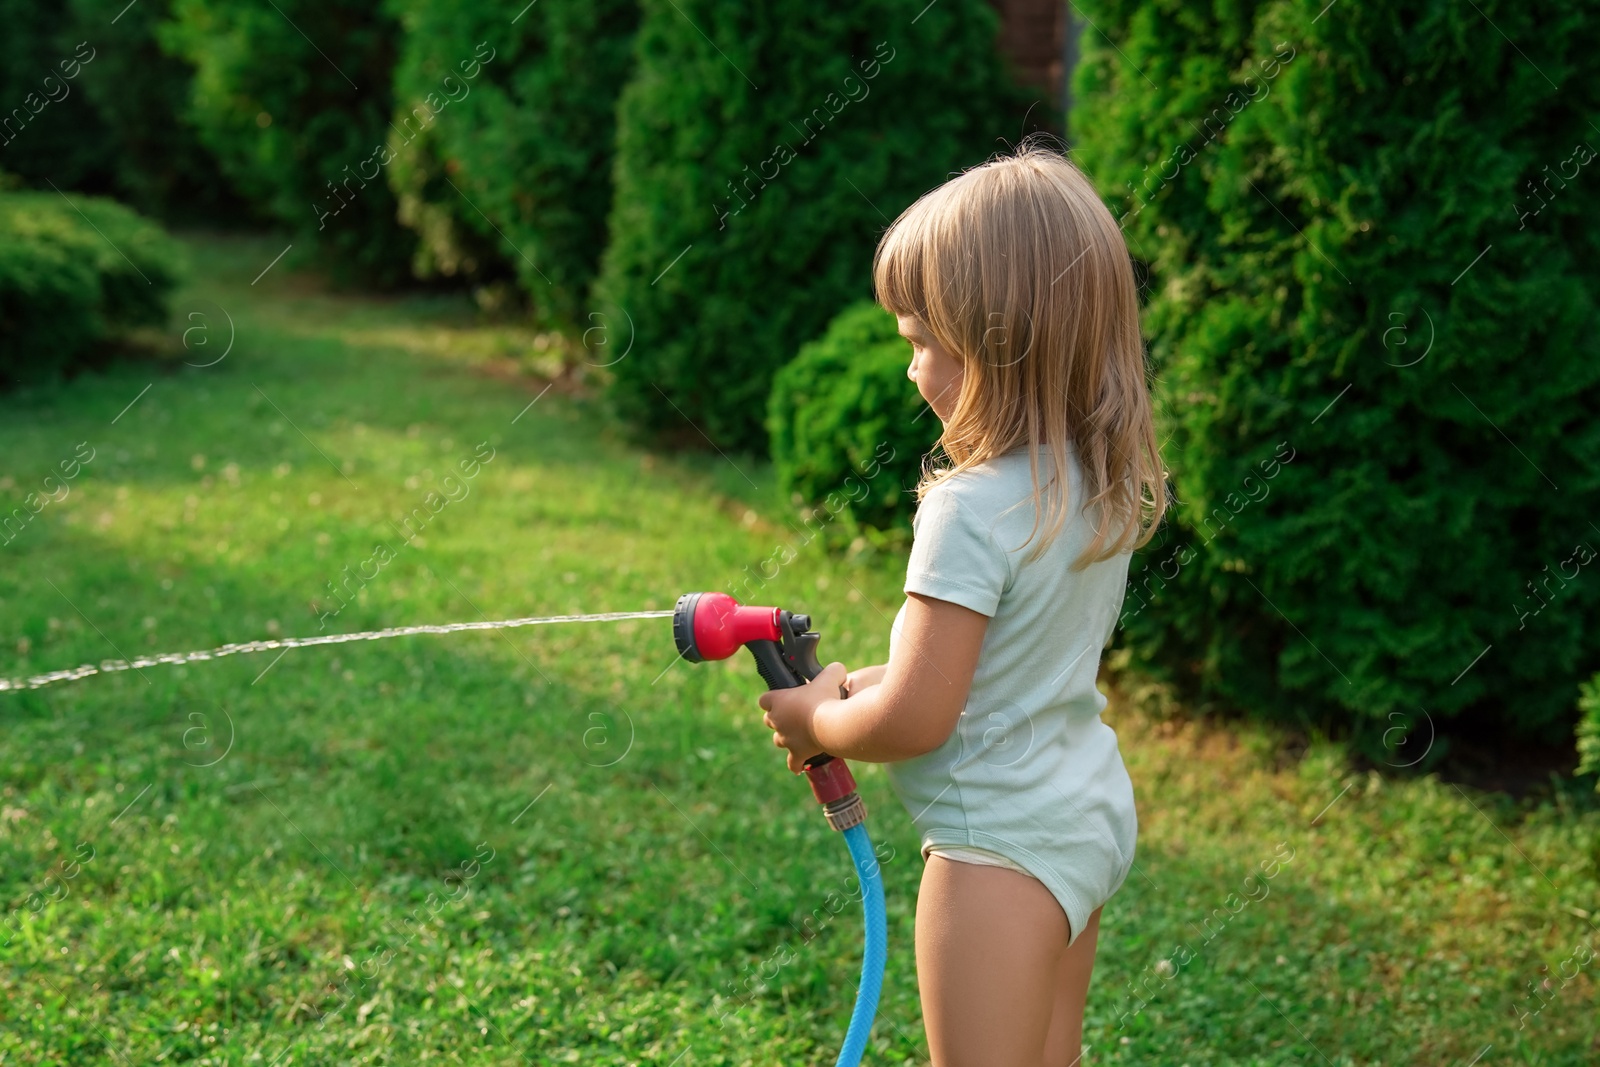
513, 172
762, 147
95, 104
1370, 238
141, 94
293, 97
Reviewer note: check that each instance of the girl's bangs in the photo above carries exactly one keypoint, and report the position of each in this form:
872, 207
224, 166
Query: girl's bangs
897, 270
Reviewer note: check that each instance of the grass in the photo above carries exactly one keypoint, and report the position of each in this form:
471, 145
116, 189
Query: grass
555, 844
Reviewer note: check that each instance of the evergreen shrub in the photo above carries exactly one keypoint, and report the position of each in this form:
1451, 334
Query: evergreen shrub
514, 172
294, 98
847, 427
1370, 235
762, 148
73, 272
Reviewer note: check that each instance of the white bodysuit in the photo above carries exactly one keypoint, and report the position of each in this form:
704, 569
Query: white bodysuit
1030, 777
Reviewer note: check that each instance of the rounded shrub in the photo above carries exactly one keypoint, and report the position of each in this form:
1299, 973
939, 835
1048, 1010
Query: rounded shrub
73, 272
293, 97
847, 425
513, 172
762, 147
1369, 232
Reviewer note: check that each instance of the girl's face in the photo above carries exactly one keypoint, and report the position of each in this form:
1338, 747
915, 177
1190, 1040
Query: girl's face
937, 373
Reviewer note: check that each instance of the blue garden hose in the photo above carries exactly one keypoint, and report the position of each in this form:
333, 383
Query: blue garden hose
713, 626
876, 953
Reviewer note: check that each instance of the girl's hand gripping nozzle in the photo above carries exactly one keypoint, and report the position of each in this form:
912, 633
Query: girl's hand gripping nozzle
713, 626
709, 626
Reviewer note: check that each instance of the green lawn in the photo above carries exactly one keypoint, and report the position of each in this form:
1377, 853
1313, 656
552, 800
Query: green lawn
553, 845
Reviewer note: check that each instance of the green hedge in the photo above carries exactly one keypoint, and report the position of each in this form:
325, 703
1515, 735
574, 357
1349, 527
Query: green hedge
762, 147
73, 272
846, 425
294, 98
526, 140
1375, 331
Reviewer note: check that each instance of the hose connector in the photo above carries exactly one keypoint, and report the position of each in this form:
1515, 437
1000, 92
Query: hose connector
835, 789
845, 812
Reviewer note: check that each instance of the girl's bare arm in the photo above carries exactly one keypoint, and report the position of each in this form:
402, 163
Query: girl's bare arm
862, 677
911, 711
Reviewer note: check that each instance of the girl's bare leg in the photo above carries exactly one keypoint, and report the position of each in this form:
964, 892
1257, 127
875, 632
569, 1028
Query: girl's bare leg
1063, 1046
991, 961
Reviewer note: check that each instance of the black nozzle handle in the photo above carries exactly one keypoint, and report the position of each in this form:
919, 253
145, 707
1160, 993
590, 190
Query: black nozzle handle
774, 671
792, 663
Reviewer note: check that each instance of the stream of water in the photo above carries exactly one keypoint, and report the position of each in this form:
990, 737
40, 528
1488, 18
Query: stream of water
111, 666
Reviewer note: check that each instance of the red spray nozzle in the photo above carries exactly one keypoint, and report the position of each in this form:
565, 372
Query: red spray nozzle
714, 626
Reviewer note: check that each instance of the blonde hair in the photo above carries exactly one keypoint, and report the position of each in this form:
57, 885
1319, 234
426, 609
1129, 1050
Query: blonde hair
1018, 270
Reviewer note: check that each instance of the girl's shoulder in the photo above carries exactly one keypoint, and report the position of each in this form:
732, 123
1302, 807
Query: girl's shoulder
1003, 480
997, 497
976, 489
979, 505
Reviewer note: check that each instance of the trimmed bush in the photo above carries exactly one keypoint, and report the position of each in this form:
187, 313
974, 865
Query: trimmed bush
293, 97
1372, 315
844, 420
745, 217
73, 272
526, 139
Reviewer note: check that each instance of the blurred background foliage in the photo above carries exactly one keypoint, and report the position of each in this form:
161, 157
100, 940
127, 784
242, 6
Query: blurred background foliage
516, 175
746, 212
299, 128
1363, 254
64, 289
844, 419
1367, 249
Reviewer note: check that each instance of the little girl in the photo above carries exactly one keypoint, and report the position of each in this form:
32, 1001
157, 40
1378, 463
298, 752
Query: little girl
1015, 289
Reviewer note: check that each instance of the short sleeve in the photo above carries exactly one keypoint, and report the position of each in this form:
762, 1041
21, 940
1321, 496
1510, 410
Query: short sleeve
954, 555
